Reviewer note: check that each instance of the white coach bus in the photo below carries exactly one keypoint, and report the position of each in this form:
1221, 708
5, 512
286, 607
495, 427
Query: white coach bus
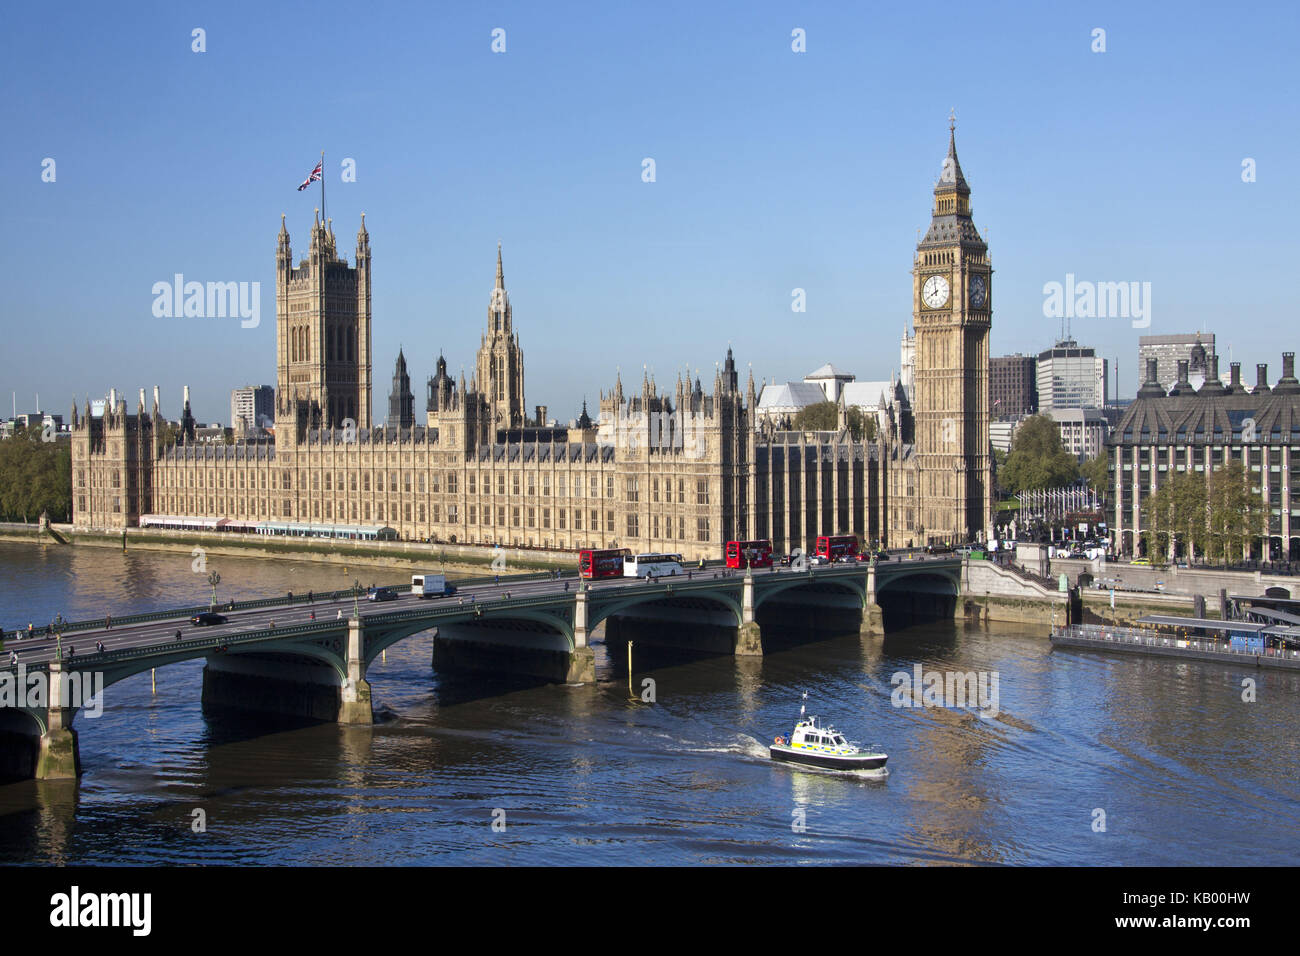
659, 565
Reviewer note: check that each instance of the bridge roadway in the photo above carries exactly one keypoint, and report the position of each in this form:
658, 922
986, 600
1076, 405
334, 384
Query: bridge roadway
269, 650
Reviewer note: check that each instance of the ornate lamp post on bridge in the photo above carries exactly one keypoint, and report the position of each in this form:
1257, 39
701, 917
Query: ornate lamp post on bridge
214, 579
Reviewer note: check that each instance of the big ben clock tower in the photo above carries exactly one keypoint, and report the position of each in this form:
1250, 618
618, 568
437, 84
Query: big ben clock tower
951, 312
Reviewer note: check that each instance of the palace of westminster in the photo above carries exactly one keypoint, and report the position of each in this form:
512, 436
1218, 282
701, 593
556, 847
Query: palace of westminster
679, 471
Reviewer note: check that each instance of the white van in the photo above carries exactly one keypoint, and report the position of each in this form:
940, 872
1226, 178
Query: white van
429, 585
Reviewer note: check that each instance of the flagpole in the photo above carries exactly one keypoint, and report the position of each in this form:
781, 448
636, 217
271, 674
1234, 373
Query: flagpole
323, 213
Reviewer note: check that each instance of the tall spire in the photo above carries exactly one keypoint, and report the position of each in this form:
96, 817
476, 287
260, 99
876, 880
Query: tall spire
950, 219
501, 276
950, 177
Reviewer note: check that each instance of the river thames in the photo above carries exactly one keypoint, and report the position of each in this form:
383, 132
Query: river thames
1090, 760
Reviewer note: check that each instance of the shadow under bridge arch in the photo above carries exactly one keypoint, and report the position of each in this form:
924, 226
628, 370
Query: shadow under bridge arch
917, 596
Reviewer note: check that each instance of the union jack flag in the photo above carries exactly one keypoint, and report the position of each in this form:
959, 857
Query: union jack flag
314, 177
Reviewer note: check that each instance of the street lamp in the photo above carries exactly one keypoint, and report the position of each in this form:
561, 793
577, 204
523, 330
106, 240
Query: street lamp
356, 606
214, 579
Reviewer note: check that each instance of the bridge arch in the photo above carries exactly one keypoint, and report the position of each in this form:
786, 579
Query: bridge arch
381, 637
918, 594
854, 587
600, 610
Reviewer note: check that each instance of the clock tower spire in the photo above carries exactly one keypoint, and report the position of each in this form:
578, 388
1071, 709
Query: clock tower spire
952, 312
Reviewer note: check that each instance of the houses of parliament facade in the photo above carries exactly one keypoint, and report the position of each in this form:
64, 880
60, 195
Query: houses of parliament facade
677, 469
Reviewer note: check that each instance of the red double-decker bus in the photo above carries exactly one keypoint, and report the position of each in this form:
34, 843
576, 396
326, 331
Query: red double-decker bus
836, 546
753, 554
602, 564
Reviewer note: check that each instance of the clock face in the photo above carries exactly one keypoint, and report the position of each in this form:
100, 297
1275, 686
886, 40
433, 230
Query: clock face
935, 291
979, 292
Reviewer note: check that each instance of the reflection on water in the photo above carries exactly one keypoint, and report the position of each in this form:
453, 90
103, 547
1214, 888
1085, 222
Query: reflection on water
1186, 772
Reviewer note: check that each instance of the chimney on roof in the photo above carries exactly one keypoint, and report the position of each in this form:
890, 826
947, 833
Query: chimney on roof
1212, 385
1261, 378
1287, 384
1235, 371
1182, 386
1152, 388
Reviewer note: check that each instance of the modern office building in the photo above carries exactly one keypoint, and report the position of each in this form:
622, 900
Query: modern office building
1071, 376
1013, 387
252, 407
1083, 431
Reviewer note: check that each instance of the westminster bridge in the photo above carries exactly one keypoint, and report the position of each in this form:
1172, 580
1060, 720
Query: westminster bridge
307, 655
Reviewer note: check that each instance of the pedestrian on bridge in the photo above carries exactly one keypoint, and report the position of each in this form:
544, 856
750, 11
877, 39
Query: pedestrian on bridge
338, 615
310, 599
13, 657
99, 646
313, 615
108, 622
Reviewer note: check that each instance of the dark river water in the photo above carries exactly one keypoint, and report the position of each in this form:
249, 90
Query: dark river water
1184, 771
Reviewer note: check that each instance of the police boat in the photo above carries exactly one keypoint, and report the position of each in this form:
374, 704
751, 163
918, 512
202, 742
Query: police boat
811, 744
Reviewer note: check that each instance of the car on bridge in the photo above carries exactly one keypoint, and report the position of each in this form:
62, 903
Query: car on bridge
381, 594
207, 618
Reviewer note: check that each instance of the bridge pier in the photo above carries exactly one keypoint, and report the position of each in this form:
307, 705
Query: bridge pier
873, 621
749, 636
58, 757
873, 618
354, 697
582, 659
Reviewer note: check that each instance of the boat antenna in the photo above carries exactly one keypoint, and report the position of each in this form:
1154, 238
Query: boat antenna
802, 707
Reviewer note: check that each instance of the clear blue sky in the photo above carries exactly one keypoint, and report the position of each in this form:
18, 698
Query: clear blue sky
775, 170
